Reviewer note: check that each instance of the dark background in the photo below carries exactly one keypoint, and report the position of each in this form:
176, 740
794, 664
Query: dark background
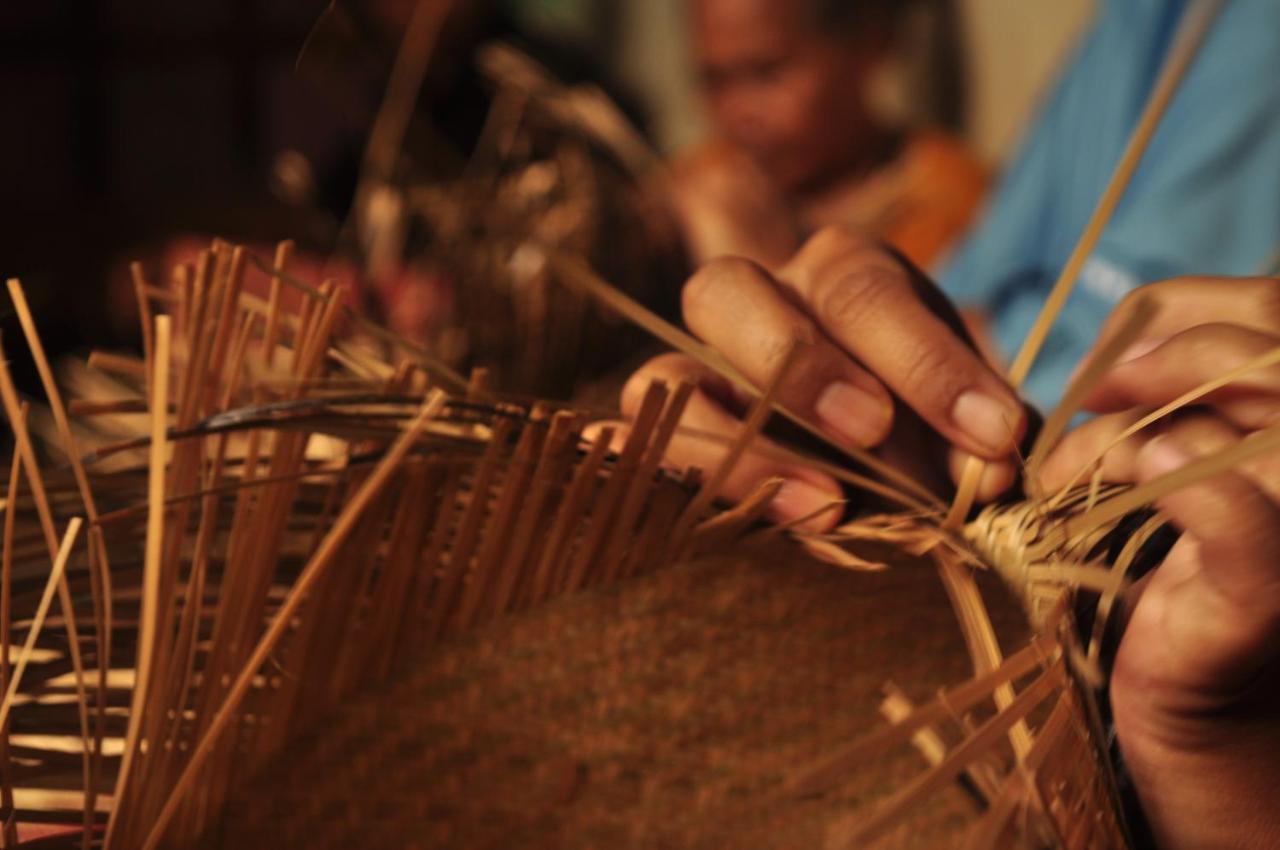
125, 121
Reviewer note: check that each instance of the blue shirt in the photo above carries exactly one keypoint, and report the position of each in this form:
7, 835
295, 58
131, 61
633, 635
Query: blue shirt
1205, 199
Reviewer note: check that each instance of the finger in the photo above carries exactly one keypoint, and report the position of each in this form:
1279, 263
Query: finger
1070, 462
1201, 432
735, 307
707, 427
868, 303
997, 475
1185, 302
1217, 596
1191, 359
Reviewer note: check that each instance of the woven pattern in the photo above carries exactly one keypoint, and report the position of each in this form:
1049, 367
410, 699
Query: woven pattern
668, 711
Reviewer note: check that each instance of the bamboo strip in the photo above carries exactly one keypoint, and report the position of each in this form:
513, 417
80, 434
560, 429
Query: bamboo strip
37, 623
1194, 28
642, 482
553, 573
430, 612
100, 569
579, 276
453, 587
1099, 364
23, 447
1013, 792
751, 427
612, 491
523, 546
1264, 361
485, 590
151, 570
1254, 445
313, 571
819, 777
6, 627
902, 801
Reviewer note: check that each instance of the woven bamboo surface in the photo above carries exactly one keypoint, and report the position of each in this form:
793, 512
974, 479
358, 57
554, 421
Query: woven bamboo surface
664, 711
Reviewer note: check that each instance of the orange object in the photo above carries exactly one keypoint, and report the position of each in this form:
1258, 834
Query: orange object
936, 189
921, 201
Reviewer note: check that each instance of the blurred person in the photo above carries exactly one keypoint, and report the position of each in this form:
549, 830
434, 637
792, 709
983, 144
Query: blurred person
889, 354
409, 286
799, 143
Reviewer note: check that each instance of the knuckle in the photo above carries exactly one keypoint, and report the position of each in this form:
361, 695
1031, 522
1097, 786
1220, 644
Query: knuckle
1264, 295
836, 239
854, 294
704, 291
1216, 339
774, 351
1127, 303
931, 372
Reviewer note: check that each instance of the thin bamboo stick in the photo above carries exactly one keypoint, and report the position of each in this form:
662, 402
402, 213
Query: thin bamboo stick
578, 275
835, 766
1264, 361
1194, 29
311, 573
23, 447
6, 627
100, 571
1254, 445
46, 599
1100, 363
959, 758
754, 422
151, 568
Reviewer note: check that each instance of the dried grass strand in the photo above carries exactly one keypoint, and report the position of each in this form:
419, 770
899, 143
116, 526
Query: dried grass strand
578, 275
37, 622
149, 616
311, 573
1197, 22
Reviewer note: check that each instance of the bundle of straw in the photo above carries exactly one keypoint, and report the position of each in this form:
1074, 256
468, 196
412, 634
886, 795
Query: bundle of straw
312, 517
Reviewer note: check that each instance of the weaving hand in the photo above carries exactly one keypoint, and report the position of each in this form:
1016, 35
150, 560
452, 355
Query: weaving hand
890, 368
1194, 692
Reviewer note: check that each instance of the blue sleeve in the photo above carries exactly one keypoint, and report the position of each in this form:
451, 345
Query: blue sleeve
1206, 199
1015, 243
1005, 243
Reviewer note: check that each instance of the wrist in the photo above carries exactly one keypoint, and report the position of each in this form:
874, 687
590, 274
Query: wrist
1204, 780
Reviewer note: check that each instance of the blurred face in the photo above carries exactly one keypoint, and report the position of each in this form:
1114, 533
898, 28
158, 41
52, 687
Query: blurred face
786, 93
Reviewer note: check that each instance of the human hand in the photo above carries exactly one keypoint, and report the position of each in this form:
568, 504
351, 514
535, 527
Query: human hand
887, 348
1194, 694
1195, 335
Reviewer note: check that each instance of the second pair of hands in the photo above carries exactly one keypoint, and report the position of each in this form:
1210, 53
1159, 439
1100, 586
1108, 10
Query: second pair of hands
1193, 689
886, 365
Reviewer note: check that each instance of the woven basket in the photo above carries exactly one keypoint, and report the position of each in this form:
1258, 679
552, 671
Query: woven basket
353, 601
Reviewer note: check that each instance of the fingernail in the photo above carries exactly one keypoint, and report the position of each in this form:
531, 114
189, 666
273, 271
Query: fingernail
985, 420
798, 499
853, 413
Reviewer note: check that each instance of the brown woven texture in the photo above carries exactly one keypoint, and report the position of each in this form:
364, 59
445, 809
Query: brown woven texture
664, 711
